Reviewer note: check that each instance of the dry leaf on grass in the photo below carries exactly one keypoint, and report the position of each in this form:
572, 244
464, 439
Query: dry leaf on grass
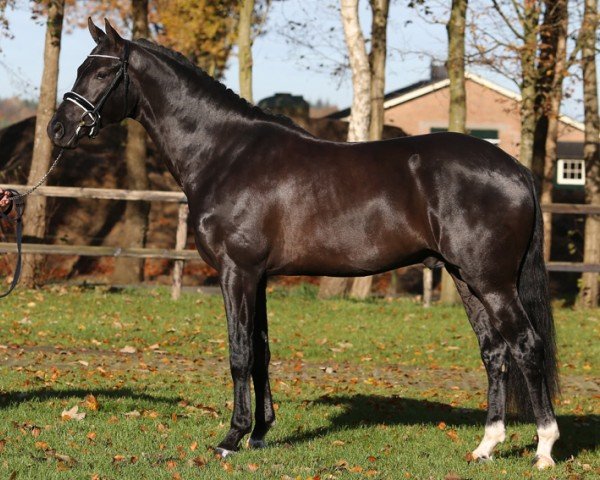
72, 414
91, 403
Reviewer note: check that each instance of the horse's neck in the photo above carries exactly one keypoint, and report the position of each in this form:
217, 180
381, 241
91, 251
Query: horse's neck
182, 118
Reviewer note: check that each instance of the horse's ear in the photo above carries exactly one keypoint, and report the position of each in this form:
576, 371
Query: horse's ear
112, 34
97, 34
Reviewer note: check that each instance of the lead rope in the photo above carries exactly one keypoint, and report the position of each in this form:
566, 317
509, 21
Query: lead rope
18, 195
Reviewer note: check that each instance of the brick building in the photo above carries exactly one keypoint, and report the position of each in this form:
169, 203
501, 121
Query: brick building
492, 114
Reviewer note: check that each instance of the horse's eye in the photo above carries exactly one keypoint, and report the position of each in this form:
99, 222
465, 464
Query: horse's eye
101, 75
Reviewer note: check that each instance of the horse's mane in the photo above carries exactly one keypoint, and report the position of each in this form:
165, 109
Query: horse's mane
233, 98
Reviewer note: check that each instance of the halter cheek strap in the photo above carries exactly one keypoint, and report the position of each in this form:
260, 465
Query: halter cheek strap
91, 114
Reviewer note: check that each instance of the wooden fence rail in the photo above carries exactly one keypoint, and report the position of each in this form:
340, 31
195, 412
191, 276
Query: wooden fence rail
180, 255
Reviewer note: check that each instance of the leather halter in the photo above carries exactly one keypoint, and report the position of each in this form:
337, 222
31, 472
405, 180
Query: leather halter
91, 113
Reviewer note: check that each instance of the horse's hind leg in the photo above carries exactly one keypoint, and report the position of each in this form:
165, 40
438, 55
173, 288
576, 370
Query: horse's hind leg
264, 414
509, 318
495, 356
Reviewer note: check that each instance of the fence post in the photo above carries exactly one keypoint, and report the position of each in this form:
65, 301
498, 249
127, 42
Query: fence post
427, 286
180, 241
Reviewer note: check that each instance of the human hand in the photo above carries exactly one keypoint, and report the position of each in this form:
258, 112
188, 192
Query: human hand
4, 198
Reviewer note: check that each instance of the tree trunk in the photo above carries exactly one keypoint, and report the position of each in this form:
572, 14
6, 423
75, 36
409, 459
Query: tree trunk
245, 49
530, 19
35, 219
556, 18
358, 129
361, 286
377, 57
458, 104
135, 225
590, 290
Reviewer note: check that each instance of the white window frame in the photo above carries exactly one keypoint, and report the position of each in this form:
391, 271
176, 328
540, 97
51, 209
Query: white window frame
562, 169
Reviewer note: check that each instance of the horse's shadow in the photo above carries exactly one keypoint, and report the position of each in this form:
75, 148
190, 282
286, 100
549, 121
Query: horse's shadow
578, 433
13, 398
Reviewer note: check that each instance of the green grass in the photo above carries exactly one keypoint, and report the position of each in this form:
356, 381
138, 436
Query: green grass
377, 389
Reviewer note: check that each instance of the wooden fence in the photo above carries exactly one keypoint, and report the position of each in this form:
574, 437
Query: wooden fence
180, 254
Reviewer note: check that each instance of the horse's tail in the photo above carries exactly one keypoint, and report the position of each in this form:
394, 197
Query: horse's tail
535, 296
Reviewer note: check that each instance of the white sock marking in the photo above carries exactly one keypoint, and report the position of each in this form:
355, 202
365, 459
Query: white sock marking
494, 434
547, 435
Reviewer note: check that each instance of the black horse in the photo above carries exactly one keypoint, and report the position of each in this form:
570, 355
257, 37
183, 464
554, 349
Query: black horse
267, 198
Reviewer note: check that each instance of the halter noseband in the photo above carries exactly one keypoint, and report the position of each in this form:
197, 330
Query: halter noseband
91, 113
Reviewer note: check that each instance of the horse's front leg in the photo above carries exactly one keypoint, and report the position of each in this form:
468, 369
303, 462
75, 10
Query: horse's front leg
264, 413
239, 289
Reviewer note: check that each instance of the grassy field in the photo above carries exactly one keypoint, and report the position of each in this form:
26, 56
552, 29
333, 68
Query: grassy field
377, 389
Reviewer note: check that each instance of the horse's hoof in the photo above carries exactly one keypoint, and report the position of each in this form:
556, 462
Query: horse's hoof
223, 452
541, 462
256, 443
475, 457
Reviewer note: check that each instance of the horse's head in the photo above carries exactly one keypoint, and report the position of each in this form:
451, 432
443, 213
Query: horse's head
101, 93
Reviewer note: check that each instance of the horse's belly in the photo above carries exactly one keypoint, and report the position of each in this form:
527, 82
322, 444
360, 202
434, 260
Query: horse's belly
347, 253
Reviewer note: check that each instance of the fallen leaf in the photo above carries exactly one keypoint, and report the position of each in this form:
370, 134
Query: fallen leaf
133, 414
194, 446
452, 435
128, 349
72, 414
452, 476
253, 467
91, 403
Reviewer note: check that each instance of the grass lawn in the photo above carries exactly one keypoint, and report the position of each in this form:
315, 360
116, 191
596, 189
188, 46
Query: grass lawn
377, 389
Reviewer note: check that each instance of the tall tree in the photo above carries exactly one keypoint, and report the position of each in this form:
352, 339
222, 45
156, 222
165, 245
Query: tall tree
245, 49
506, 40
361, 286
590, 290
35, 224
377, 57
455, 29
135, 225
529, 17
552, 66
358, 128
203, 30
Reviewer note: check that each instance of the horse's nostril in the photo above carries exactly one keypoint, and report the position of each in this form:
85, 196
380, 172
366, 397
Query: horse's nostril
58, 130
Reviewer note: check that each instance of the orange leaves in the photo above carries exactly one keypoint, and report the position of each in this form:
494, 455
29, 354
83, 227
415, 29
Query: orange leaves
452, 435
91, 403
